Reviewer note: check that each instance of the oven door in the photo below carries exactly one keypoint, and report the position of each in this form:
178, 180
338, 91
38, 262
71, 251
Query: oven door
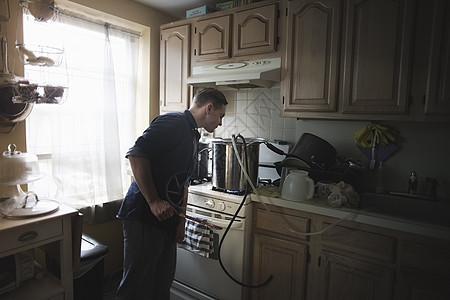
203, 278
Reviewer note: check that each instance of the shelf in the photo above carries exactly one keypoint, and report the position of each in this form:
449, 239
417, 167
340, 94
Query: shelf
46, 287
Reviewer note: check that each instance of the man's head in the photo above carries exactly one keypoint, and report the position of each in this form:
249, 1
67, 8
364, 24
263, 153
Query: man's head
208, 108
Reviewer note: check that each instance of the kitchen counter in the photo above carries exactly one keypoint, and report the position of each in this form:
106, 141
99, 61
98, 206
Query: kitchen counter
320, 206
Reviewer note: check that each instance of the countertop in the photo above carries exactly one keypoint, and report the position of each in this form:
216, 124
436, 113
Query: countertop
320, 206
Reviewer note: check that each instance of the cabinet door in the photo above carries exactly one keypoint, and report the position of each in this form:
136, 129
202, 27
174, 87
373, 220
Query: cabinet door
438, 83
212, 39
424, 269
285, 261
420, 286
255, 31
345, 278
174, 68
376, 55
312, 48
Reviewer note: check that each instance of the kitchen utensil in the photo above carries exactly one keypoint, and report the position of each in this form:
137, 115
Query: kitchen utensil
18, 167
227, 173
373, 160
315, 151
284, 173
34, 208
297, 186
382, 152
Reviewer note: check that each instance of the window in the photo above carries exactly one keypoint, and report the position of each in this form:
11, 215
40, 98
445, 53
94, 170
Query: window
81, 143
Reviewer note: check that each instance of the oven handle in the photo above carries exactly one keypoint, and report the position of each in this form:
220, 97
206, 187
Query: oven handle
218, 222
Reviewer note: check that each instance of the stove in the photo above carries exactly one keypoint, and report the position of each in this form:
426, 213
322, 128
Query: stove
210, 281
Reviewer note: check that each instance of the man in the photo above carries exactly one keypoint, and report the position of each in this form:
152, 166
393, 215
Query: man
162, 160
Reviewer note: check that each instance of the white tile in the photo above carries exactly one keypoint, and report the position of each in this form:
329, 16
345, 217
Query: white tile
241, 106
252, 120
241, 95
289, 136
276, 133
241, 119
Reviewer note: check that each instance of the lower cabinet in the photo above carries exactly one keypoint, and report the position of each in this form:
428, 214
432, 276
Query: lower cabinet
282, 261
348, 260
343, 277
424, 269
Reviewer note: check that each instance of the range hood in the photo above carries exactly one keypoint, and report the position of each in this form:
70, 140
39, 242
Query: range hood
239, 74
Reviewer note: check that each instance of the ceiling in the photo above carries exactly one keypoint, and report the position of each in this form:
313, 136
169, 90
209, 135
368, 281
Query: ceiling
177, 8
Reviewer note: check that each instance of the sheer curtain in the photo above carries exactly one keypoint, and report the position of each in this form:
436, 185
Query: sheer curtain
81, 143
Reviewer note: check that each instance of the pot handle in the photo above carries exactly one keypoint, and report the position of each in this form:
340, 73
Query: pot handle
274, 149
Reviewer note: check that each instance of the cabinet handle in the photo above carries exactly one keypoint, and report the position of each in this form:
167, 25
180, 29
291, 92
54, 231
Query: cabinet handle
27, 236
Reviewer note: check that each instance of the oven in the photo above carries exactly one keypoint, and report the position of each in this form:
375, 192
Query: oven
200, 277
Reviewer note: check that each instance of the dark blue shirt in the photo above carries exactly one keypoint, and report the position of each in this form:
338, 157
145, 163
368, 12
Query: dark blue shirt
170, 144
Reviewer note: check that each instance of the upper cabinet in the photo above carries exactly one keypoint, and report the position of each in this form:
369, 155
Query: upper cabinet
347, 57
312, 51
212, 39
376, 55
255, 31
238, 33
437, 98
174, 68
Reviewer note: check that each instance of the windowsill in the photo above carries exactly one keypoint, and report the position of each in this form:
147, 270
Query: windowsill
98, 214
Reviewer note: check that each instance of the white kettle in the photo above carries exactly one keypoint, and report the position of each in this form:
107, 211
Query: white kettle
297, 186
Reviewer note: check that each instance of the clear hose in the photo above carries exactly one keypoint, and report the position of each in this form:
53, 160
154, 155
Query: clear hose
283, 224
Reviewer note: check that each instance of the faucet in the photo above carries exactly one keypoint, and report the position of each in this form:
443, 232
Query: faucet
434, 185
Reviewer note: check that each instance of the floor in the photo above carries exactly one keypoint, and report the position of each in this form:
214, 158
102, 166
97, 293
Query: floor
110, 285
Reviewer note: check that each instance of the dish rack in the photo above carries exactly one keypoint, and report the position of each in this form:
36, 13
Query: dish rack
27, 92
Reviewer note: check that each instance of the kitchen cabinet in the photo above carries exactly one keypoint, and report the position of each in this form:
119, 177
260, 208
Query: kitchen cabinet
437, 98
255, 31
175, 50
211, 39
347, 58
285, 261
18, 235
354, 262
241, 32
424, 269
348, 260
279, 253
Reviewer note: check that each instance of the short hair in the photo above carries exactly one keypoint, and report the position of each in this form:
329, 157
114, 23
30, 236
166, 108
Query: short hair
204, 95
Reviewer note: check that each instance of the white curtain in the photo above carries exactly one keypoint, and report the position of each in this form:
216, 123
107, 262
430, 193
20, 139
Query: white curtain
82, 142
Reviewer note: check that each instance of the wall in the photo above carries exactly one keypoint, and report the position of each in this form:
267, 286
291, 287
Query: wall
125, 13
423, 147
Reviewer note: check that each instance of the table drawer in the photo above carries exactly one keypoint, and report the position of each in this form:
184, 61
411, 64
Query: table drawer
29, 234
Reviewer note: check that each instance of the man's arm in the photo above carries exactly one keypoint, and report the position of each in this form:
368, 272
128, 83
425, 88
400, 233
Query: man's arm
142, 174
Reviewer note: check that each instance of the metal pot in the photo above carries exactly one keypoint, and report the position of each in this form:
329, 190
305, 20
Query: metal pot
315, 151
227, 174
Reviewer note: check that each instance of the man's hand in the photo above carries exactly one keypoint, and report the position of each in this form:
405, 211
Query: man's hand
162, 209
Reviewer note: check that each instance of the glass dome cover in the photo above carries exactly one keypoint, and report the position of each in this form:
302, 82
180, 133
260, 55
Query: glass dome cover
17, 167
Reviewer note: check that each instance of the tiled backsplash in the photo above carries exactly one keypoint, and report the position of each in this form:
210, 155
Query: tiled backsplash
256, 113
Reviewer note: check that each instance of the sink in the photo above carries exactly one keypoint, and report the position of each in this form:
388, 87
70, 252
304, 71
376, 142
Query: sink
412, 207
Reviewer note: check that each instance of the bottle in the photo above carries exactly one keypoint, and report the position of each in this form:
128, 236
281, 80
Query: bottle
412, 183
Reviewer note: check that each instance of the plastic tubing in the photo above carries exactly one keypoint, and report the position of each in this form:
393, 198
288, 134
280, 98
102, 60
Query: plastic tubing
287, 227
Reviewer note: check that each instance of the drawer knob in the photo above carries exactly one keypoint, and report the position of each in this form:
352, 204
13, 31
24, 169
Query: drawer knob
27, 236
